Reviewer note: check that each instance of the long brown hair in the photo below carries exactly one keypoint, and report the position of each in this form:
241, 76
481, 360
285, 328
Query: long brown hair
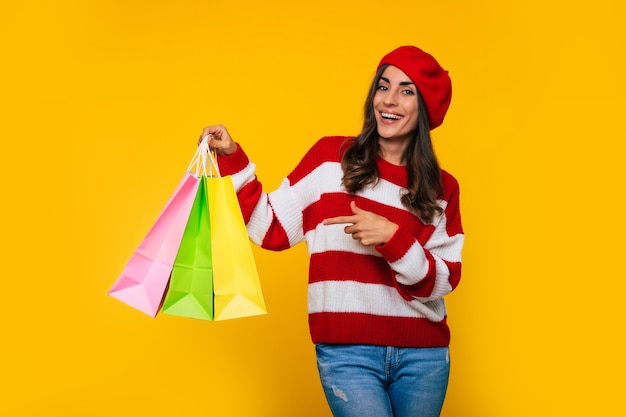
424, 175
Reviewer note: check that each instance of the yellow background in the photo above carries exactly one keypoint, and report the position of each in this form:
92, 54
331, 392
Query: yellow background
102, 102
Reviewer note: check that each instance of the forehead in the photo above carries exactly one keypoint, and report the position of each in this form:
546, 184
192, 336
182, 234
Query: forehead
395, 75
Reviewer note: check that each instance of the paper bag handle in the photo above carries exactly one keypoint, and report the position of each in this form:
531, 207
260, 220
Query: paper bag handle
204, 160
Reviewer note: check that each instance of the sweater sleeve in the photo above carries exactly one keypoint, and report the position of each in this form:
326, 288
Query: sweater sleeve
432, 270
274, 220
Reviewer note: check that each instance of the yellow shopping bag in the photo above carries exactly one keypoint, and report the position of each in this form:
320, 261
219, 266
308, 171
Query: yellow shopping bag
236, 285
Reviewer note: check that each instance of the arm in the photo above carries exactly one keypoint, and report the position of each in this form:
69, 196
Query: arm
273, 221
430, 270
422, 272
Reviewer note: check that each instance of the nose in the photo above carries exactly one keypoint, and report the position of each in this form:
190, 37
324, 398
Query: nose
391, 98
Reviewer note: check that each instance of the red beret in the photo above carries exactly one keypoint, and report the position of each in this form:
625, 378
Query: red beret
431, 80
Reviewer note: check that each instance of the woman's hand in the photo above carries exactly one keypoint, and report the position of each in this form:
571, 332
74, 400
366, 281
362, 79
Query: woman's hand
219, 139
367, 227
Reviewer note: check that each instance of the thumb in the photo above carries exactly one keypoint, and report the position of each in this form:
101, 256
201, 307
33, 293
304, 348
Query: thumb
355, 209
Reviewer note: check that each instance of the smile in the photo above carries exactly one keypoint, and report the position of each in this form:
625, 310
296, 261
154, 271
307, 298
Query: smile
390, 116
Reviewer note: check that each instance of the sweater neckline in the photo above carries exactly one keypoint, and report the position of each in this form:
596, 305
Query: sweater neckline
395, 174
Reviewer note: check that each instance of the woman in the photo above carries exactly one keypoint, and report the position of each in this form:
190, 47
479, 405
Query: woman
382, 225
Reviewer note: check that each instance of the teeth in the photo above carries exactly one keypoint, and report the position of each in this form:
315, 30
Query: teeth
391, 116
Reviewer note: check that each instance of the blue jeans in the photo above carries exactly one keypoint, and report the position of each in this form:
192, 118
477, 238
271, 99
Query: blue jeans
379, 381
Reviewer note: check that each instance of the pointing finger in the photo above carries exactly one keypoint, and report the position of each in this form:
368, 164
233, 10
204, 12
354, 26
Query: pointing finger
339, 220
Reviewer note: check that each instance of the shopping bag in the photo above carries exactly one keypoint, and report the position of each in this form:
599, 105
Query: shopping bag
214, 276
144, 279
236, 286
190, 292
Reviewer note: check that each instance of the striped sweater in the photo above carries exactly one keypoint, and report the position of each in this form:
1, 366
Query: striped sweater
391, 294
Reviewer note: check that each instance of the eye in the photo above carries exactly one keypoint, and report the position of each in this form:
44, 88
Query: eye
382, 87
408, 92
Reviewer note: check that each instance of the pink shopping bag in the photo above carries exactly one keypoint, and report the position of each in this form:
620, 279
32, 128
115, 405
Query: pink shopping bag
144, 280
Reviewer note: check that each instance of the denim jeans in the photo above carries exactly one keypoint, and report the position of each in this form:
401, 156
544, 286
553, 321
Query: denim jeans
379, 381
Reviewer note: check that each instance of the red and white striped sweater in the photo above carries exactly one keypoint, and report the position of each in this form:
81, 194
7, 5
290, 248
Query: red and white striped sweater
390, 295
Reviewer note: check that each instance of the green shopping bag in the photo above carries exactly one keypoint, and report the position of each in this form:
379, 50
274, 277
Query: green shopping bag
190, 292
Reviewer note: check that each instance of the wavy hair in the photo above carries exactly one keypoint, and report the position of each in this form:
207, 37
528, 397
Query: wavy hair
424, 183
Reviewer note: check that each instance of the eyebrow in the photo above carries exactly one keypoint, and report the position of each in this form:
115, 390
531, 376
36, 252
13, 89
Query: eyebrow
401, 83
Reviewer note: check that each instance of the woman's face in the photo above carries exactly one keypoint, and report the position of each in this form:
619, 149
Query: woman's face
395, 105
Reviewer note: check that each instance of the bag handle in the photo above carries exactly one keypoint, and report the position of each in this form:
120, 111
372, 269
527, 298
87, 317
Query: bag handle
204, 161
